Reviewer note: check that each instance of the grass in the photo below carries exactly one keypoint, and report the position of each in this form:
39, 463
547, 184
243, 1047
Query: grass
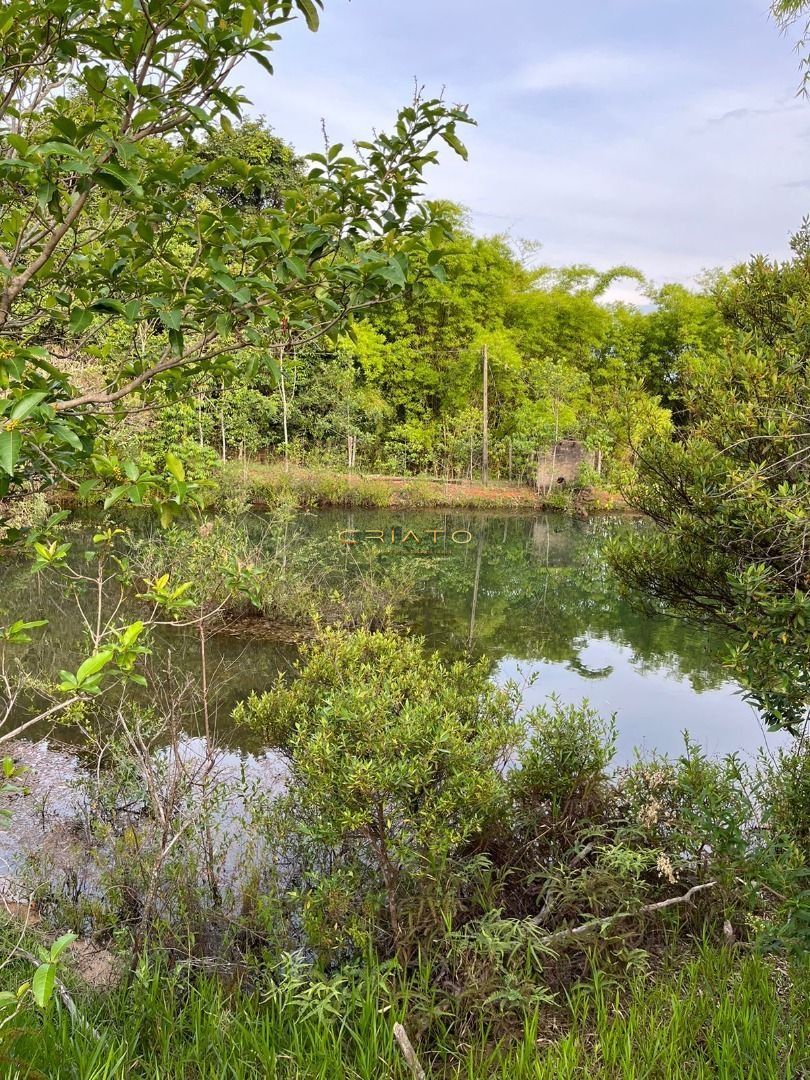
718, 1014
310, 488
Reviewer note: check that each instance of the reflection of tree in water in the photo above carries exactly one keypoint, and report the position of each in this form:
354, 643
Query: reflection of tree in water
542, 591
590, 673
527, 588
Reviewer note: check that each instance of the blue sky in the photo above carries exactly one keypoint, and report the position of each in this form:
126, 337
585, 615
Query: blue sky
663, 133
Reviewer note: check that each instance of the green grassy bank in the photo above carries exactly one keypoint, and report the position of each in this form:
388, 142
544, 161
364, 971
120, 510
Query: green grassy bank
311, 488
718, 1013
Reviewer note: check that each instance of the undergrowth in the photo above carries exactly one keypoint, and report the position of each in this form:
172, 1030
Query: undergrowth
717, 1013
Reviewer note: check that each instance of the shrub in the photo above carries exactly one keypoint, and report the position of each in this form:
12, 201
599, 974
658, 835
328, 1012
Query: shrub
395, 763
562, 770
784, 791
697, 809
222, 566
784, 797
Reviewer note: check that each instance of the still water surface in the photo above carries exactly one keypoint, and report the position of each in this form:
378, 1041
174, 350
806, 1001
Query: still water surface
530, 594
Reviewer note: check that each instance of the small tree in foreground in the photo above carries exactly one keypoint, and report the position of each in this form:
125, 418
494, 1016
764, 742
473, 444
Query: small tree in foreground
394, 763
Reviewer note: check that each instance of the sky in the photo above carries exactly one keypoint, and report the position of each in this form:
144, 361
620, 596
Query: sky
666, 134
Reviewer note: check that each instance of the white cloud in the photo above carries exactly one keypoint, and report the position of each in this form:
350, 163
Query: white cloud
587, 69
673, 198
625, 146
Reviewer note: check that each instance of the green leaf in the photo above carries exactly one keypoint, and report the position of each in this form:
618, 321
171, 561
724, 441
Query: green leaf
223, 324
66, 434
131, 633
31, 625
176, 341
434, 261
105, 303
10, 443
61, 944
17, 633
115, 178
18, 143
65, 126
57, 146
261, 60
27, 403
45, 192
166, 513
80, 320
310, 13
43, 983
172, 319
226, 281
95, 77
296, 266
175, 467
93, 664
456, 144
115, 495
394, 273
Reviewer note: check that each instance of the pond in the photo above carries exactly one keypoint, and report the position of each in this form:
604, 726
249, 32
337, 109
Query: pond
530, 594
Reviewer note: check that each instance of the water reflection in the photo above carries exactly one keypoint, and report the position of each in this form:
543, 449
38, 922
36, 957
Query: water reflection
530, 594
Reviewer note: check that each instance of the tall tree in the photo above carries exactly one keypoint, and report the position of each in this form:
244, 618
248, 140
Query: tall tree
730, 495
101, 236
275, 169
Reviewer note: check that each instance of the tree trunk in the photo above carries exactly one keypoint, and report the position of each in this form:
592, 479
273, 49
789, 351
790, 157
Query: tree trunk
222, 427
476, 583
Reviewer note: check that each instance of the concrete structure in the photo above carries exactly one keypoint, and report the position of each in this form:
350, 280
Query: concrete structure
560, 464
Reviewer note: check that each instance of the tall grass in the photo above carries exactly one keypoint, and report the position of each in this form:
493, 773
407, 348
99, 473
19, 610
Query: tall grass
311, 488
718, 1014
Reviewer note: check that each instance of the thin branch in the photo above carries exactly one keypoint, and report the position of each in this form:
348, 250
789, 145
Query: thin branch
602, 924
38, 719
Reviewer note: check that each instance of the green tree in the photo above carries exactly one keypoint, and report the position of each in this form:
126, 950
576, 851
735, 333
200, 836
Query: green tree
684, 327
730, 493
274, 167
104, 247
394, 764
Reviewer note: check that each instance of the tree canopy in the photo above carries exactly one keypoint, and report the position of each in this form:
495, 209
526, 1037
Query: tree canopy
109, 247
730, 494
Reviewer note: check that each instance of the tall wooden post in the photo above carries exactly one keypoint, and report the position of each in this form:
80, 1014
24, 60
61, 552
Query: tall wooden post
283, 388
485, 441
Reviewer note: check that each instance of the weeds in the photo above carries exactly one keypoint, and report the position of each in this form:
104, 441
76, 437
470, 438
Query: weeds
718, 1014
273, 485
